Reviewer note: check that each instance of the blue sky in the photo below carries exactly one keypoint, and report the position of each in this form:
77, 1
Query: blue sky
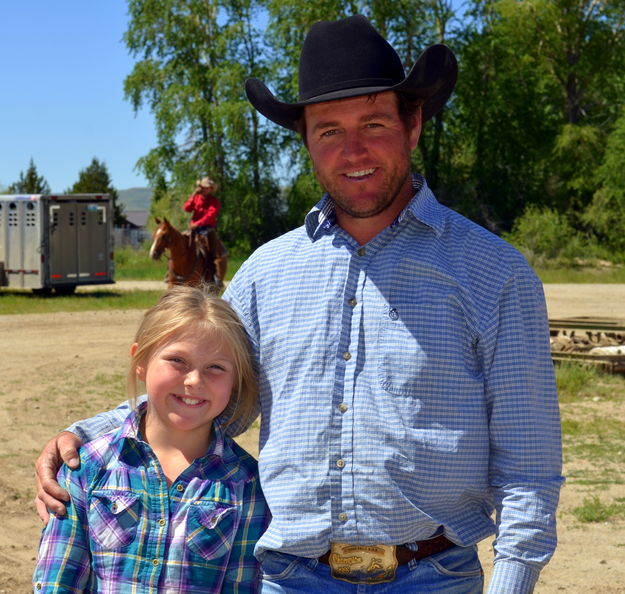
62, 67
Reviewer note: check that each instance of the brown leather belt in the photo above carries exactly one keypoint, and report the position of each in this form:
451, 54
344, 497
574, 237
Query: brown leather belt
425, 548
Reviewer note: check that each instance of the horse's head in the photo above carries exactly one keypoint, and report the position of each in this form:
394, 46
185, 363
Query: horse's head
160, 238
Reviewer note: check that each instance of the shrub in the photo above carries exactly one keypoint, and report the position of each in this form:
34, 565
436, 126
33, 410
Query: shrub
546, 237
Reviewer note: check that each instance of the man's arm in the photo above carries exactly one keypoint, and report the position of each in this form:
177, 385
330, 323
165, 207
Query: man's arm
189, 205
51, 497
525, 436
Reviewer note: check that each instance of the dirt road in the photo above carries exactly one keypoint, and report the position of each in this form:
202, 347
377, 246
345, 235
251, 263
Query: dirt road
57, 368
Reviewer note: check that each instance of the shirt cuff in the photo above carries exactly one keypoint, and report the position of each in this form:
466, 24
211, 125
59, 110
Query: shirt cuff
512, 577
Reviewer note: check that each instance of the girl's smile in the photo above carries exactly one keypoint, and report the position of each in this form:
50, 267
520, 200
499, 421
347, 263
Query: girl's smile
189, 380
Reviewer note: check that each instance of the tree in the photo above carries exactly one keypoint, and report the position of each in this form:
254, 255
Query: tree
194, 56
30, 182
537, 93
95, 179
605, 215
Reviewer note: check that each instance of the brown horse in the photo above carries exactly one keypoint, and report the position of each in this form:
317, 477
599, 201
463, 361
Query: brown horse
187, 265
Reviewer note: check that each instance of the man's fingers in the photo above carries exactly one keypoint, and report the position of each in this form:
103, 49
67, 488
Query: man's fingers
42, 510
50, 498
50, 495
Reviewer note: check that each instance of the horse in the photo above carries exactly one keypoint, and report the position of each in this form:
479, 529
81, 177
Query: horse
186, 265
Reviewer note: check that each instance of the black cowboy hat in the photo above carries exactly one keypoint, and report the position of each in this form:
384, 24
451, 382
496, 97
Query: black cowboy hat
349, 58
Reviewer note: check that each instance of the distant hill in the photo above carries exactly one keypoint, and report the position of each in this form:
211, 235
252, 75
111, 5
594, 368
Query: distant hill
135, 198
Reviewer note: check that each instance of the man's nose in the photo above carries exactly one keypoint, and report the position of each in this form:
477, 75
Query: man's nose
353, 144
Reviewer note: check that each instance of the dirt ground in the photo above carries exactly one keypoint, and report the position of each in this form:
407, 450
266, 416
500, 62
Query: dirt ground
61, 367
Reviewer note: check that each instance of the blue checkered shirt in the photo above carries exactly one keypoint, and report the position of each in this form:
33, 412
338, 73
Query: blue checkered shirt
406, 387
127, 531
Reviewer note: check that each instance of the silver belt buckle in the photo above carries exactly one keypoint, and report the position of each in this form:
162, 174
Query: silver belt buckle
363, 564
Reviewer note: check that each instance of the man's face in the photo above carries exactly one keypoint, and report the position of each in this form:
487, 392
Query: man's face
360, 150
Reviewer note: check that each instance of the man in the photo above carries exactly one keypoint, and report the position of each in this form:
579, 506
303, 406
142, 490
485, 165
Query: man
205, 207
406, 383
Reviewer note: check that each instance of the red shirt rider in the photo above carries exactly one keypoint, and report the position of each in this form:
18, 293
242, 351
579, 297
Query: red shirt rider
204, 205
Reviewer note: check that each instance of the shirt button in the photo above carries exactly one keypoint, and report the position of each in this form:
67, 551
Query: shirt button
347, 356
353, 302
361, 251
342, 407
179, 487
340, 463
114, 507
38, 586
161, 522
343, 517
155, 562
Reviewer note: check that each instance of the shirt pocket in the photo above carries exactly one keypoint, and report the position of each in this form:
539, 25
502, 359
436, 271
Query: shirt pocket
113, 518
400, 358
211, 528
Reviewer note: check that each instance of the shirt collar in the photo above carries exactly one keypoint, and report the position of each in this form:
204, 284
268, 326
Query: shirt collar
423, 207
130, 429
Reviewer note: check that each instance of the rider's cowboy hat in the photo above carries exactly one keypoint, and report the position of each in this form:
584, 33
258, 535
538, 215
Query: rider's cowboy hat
206, 182
348, 58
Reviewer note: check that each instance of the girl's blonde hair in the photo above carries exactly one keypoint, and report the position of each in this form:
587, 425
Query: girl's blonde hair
186, 310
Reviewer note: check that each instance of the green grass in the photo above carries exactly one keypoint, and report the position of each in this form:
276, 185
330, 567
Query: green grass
131, 264
595, 510
593, 437
577, 383
582, 274
598, 439
25, 302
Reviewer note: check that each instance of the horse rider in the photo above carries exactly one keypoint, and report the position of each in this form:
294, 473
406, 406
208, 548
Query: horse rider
205, 206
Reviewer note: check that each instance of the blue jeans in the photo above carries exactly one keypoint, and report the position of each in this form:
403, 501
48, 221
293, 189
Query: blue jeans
454, 571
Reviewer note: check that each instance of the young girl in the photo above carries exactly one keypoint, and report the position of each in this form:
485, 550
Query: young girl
167, 502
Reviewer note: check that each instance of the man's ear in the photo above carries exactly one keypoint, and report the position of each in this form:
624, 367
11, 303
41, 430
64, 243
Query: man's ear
415, 131
140, 370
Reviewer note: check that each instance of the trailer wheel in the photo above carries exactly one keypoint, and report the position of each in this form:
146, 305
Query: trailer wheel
42, 291
68, 290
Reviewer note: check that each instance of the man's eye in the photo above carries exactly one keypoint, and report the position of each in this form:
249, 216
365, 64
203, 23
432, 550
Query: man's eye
329, 133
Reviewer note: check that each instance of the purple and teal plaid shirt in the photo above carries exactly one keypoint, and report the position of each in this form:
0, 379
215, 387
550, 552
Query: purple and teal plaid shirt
127, 531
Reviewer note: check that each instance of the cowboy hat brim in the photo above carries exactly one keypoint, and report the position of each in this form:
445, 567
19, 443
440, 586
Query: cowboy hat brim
431, 79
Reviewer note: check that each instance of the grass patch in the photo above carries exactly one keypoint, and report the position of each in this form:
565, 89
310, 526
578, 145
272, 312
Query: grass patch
595, 510
596, 430
579, 382
136, 264
25, 302
582, 274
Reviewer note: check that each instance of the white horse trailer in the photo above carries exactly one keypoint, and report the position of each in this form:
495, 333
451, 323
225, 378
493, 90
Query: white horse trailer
56, 242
